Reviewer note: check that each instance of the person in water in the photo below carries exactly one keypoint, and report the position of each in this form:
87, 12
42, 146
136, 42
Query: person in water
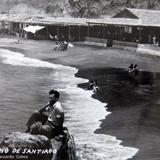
133, 70
136, 70
130, 68
93, 86
48, 120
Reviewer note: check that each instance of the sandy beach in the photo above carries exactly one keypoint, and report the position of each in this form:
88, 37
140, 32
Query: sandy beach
135, 116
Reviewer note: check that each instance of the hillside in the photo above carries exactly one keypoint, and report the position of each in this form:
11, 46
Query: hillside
75, 8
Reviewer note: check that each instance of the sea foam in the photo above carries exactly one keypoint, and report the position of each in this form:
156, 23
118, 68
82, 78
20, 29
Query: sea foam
82, 112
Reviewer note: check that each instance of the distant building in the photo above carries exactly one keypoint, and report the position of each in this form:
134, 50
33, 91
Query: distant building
148, 25
130, 25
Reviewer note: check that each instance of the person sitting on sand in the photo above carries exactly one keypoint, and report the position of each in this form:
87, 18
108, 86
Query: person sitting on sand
62, 46
65, 45
48, 120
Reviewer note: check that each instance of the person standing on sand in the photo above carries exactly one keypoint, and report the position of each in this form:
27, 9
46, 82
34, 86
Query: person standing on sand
18, 37
56, 39
154, 39
48, 120
25, 35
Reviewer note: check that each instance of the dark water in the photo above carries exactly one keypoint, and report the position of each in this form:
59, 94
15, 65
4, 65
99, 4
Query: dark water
135, 107
21, 91
25, 83
118, 88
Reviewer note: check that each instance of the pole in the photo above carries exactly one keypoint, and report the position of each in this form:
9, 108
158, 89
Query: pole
79, 33
140, 35
58, 32
69, 36
103, 34
88, 30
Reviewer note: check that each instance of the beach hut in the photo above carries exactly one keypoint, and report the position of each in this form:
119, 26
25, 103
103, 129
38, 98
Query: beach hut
149, 23
131, 25
69, 29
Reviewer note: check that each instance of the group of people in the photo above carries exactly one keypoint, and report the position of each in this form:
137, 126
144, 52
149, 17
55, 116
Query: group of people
48, 120
19, 35
133, 70
60, 45
93, 85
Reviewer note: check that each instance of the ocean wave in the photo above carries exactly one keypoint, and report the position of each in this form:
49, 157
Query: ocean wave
83, 113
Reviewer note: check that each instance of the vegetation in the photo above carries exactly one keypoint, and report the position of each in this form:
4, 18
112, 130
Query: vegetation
75, 8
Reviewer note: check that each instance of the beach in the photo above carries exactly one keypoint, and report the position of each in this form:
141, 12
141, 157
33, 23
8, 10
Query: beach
134, 117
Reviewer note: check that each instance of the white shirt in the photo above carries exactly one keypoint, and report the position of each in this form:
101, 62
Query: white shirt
56, 116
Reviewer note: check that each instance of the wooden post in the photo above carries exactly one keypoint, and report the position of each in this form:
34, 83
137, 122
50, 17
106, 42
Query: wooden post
121, 33
140, 39
150, 37
79, 33
58, 32
47, 32
69, 34
88, 30
103, 31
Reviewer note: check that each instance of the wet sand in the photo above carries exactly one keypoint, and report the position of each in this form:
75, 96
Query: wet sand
135, 109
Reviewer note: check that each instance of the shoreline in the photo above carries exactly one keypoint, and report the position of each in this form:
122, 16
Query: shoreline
76, 73
96, 58
121, 123
102, 129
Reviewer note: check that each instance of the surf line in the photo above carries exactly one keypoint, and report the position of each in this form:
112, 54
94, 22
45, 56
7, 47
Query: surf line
15, 58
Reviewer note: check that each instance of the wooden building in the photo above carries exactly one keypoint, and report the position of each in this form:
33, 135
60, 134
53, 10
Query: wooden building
70, 29
131, 25
149, 23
